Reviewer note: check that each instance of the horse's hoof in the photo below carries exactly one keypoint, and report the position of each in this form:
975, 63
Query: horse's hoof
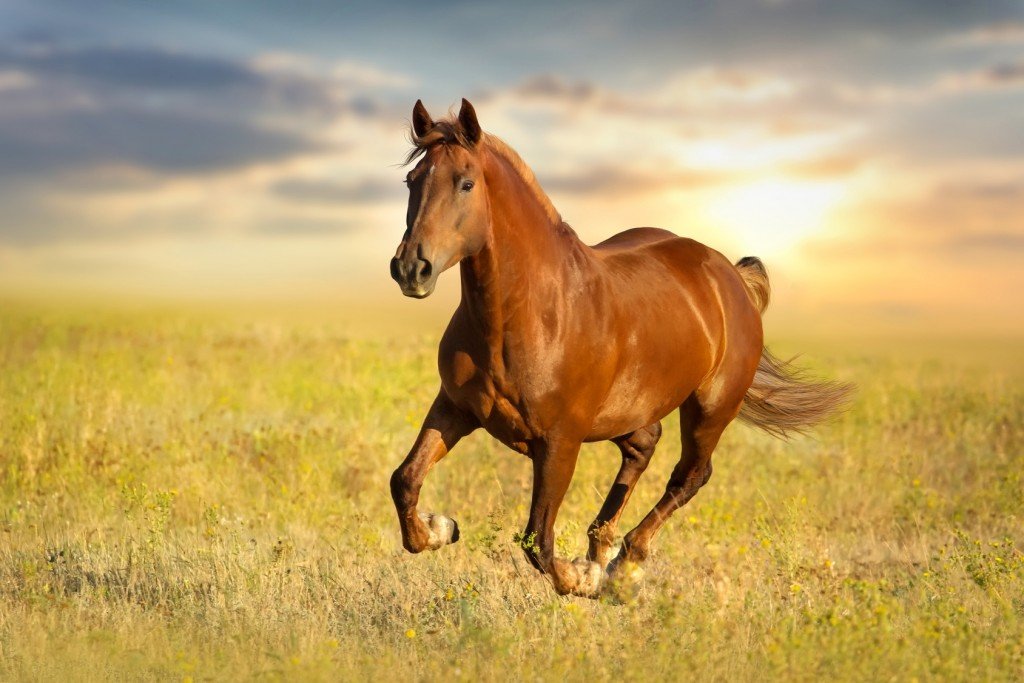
590, 577
443, 530
624, 580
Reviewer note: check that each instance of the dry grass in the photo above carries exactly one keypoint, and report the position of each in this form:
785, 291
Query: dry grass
189, 496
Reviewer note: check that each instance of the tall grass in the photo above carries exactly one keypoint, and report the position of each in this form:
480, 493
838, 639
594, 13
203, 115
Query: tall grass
188, 496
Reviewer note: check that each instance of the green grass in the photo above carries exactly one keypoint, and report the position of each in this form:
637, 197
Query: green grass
203, 496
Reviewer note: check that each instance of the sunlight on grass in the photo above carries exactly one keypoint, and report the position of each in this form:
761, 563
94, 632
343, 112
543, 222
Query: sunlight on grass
187, 496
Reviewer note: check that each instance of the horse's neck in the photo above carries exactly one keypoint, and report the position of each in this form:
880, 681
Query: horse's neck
526, 253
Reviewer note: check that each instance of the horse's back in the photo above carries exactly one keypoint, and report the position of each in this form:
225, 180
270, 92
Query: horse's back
644, 252
710, 283
632, 239
657, 247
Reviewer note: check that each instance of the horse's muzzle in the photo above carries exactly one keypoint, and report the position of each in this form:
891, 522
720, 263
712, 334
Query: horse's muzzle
415, 276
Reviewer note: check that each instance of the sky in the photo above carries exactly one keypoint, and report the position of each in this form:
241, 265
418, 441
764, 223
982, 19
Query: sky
871, 152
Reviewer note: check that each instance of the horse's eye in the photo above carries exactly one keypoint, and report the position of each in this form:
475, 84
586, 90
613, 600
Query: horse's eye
467, 185
408, 179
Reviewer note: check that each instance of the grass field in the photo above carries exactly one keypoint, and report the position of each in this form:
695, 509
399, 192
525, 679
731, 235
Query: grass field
192, 496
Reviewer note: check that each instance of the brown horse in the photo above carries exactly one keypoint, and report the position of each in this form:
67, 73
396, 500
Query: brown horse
556, 343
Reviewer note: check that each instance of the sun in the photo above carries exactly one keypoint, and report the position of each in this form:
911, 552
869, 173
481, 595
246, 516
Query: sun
770, 217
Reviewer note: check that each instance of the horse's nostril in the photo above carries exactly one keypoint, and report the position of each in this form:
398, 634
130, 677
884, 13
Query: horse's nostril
424, 270
396, 272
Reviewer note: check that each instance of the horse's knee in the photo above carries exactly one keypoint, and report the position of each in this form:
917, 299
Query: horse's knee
401, 487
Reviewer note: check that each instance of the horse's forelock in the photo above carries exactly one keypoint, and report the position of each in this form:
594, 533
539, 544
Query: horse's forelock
446, 131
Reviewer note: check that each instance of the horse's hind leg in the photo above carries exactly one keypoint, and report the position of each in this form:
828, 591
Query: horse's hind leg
700, 427
637, 449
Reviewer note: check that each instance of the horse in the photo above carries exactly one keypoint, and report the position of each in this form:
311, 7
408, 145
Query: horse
555, 343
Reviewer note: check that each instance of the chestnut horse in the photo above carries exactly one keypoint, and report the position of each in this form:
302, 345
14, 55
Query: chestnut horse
556, 343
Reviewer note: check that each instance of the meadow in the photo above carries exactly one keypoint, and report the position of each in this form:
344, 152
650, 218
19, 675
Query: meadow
203, 494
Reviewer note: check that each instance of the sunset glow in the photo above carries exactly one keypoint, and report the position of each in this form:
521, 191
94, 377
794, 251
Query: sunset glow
886, 139
770, 217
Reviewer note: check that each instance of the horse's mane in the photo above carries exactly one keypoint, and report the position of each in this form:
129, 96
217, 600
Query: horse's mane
449, 131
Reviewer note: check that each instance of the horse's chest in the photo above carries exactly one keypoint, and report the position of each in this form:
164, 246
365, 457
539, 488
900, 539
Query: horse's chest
472, 386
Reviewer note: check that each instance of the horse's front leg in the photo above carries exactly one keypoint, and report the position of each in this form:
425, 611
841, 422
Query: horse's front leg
554, 462
444, 425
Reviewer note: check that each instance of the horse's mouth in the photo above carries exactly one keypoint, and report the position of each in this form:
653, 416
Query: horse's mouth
420, 291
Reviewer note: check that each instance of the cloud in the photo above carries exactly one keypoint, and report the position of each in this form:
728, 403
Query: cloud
73, 107
990, 241
136, 67
825, 166
950, 217
703, 118
106, 143
12, 79
996, 191
361, 74
319, 191
1000, 76
303, 225
688, 91
1007, 32
615, 180
550, 86
158, 140
997, 76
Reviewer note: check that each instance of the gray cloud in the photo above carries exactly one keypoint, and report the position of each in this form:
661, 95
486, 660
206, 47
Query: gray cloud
331, 192
618, 180
1005, 73
1008, 32
160, 140
303, 225
77, 120
132, 66
551, 86
167, 111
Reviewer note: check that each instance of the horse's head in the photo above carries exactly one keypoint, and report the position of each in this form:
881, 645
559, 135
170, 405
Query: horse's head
448, 217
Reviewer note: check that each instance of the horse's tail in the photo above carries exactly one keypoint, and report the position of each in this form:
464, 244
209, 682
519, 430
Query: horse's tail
783, 399
755, 277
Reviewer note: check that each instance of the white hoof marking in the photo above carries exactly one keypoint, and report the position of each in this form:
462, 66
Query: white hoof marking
590, 577
443, 529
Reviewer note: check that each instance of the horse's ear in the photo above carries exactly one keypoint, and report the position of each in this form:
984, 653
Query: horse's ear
421, 121
470, 126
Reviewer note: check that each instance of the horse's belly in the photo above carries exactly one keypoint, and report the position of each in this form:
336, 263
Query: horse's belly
629, 410
652, 381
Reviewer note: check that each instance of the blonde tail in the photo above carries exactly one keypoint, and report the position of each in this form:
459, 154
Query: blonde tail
783, 399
